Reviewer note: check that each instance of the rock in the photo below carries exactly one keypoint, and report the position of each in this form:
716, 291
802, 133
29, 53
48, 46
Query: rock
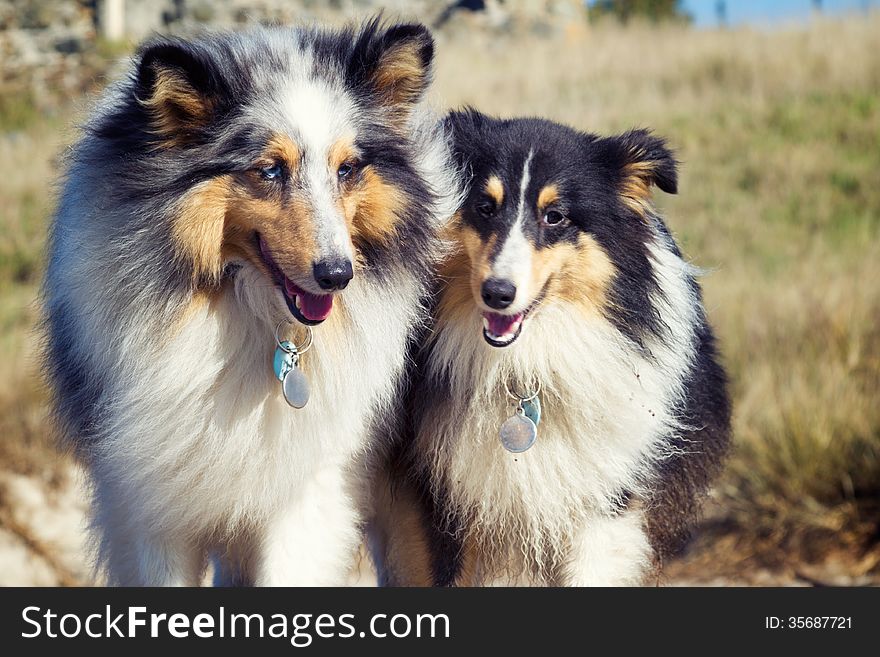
69, 45
52, 50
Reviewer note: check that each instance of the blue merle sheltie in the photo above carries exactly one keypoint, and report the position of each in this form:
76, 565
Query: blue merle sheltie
240, 207
567, 408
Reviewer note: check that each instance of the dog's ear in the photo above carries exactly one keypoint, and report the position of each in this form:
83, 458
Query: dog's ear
180, 87
647, 157
465, 128
642, 160
394, 63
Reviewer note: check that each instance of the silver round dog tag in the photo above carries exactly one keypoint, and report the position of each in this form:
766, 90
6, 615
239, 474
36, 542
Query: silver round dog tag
518, 432
296, 388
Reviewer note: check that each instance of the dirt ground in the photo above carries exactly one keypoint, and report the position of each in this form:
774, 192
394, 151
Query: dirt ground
43, 543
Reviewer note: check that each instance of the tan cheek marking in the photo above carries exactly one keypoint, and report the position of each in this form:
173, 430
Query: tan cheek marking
372, 209
495, 189
582, 273
291, 236
197, 231
286, 228
176, 108
479, 254
547, 196
456, 299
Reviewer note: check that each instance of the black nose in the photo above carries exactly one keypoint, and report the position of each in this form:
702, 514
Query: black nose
332, 275
498, 293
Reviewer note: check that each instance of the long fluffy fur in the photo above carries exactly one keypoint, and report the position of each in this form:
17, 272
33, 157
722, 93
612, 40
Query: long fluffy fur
162, 373
635, 414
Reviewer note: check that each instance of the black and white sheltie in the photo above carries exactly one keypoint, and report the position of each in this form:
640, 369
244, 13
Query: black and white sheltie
567, 296
230, 185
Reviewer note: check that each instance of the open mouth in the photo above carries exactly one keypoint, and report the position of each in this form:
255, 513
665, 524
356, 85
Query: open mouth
307, 308
503, 330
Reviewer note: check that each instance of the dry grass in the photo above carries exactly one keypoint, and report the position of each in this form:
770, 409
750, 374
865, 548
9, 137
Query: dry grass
26, 191
779, 135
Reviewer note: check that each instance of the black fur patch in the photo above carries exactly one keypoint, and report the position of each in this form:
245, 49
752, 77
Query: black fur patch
681, 481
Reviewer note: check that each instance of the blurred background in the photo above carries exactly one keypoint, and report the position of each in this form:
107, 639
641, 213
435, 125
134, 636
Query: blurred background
774, 108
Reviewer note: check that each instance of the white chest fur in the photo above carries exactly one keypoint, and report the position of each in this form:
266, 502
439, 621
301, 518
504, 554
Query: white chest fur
607, 409
202, 428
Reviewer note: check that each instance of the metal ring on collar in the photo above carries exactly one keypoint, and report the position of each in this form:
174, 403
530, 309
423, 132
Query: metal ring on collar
296, 350
524, 399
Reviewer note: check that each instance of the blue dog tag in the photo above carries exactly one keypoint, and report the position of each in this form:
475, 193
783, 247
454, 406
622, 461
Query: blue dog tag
284, 360
532, 409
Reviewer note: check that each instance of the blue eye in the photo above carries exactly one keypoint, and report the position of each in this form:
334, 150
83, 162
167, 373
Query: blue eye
344, 171
272, 172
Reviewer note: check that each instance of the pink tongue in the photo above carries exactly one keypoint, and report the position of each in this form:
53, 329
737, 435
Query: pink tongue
502, 324
314, 307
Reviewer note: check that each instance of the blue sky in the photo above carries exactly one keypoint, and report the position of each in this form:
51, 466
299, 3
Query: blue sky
769, 11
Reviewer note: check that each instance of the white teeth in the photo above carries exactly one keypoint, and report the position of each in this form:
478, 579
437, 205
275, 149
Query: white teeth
296, 301
507, 337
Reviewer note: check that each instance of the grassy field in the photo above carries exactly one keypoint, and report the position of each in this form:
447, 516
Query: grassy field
778, 133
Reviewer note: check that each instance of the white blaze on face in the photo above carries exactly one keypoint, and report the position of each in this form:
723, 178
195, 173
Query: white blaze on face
514, 261
317, 114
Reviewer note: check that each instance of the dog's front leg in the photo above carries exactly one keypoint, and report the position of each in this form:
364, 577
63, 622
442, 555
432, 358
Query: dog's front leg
312, 541
133, 557
609, 551
133, 549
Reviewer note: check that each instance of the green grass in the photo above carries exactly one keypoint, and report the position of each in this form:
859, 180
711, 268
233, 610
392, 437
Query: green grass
18, 109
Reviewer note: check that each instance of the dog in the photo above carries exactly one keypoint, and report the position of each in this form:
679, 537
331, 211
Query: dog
243, 209
567, 327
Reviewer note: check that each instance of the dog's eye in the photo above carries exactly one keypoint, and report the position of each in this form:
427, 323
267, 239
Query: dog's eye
345, 170
485, 208
272, 172
553, 217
